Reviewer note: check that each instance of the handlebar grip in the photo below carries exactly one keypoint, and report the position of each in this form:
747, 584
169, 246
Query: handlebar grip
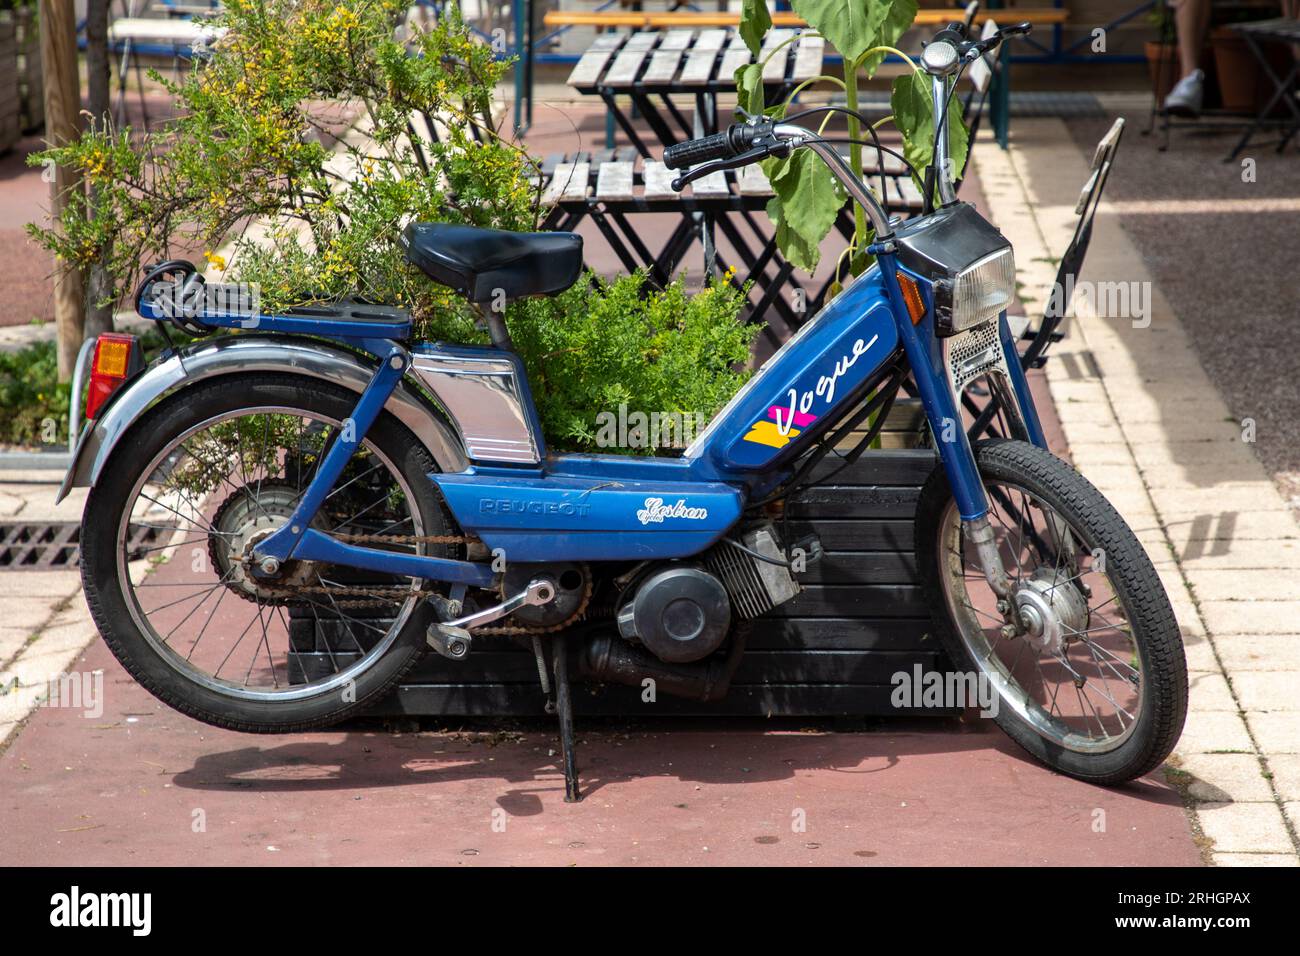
734, 140
696, 151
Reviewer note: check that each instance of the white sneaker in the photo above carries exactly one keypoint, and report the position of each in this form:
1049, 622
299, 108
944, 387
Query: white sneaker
1186, 97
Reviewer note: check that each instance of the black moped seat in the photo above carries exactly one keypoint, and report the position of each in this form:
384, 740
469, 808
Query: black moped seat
479, 262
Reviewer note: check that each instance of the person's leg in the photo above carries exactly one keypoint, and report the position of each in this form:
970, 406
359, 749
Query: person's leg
1192, 19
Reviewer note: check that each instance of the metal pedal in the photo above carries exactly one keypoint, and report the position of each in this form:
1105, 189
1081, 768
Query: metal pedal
452, 638
451, 642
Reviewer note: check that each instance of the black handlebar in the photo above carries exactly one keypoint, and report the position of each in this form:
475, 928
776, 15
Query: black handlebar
731, 142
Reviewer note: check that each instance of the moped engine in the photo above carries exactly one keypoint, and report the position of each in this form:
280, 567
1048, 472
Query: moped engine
682, 612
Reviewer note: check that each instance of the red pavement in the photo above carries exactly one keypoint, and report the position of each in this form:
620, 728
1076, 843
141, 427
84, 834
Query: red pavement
126, 788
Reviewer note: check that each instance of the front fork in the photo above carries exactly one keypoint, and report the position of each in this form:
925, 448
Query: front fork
942, 408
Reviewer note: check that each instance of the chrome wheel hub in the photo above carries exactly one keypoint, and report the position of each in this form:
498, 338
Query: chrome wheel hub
1051, 609
248, 517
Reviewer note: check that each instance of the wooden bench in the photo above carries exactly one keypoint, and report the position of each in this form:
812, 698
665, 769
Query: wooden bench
651, 67
651, 20
608, 186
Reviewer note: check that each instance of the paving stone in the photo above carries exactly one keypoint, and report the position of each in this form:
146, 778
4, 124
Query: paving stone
1258, 652
23, 612
1209, 691
1198, 649
39, 584
1221, 585
1254, 859
1255, 617
1279, 556
12, 640
1278, 732
1227, 778
1267, 690
1292, 810
1214, 732
1244, 827
1196, 455
1285, 769
1091, 454
16, 703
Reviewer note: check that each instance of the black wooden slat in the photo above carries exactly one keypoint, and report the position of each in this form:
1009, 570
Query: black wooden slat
865, 567
881, 466
866, 634
852, 535
853, 600
860, 501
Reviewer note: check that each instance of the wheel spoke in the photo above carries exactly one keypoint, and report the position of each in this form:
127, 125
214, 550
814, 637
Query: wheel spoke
228, 482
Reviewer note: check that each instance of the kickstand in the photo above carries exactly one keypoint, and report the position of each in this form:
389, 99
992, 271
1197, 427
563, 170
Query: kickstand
564, 706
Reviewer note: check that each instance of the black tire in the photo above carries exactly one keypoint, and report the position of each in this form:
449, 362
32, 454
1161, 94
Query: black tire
1134, 582
109, 607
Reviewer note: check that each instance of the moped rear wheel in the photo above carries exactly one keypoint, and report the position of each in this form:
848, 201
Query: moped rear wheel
170, 525
1085, 656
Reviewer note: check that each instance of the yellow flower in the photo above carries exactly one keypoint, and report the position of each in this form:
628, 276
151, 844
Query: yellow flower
216, 260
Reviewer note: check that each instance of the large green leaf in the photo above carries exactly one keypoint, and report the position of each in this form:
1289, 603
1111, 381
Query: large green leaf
914, 117
749, 89
853, 26
754, 22
897, 21
807, 200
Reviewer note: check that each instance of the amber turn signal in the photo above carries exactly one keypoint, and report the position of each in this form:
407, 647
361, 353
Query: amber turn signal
912, 296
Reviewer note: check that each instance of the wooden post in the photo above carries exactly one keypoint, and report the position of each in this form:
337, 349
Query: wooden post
99, 317
62, 106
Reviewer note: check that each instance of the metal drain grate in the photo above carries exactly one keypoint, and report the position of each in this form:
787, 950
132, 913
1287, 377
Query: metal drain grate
56, 545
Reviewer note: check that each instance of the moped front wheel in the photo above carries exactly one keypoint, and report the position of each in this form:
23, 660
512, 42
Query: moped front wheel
169, 529
1084, 653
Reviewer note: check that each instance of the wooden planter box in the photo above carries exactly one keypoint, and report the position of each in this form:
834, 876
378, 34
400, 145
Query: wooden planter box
831, 651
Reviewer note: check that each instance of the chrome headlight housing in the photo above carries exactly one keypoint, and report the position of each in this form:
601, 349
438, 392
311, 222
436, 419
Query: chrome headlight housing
969, 264
976, 294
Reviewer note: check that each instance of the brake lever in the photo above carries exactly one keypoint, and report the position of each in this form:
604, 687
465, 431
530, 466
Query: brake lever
717, 165
981, 47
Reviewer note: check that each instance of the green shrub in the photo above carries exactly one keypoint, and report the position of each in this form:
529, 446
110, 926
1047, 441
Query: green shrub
591, 350
35, 402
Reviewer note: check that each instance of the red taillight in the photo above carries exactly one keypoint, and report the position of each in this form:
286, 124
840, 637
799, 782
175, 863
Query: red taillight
117, 357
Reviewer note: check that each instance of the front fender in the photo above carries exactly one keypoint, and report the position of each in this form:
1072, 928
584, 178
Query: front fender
228, 355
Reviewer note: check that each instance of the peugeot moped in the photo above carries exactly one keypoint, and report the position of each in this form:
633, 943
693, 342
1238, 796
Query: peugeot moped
400, 493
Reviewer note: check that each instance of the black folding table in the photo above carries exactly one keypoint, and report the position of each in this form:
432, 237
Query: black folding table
1282, 30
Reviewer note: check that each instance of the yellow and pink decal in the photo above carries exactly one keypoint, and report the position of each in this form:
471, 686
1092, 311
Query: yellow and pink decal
778, 429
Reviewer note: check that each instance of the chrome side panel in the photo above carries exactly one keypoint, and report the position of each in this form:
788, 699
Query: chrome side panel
229, 355
485, 396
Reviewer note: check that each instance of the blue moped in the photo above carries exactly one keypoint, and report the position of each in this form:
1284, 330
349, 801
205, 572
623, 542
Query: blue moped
401, 494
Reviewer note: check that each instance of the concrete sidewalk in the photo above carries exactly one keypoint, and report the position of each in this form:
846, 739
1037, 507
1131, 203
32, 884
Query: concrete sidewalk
1147, 427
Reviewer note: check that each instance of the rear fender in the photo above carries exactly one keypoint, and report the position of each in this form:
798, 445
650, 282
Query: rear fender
229, 355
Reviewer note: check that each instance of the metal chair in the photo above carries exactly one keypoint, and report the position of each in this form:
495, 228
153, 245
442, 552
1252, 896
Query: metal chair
987, 421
